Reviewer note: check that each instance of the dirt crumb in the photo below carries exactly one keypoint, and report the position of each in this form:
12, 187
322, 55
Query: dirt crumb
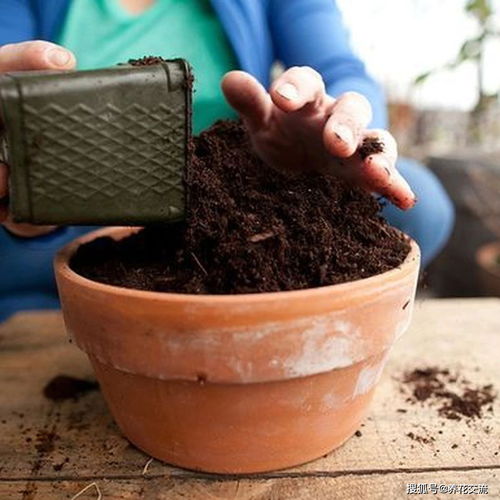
370, 146
420, 439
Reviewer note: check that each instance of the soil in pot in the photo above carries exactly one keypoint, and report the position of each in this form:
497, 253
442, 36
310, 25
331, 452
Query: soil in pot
251, 228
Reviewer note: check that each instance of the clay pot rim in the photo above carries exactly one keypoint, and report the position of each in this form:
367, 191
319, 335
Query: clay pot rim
485, 256
62, 258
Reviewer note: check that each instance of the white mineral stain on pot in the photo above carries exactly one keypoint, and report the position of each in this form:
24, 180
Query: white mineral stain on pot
317, 325
327, 342
327, 345
214, 338
252, 335
243, 368
345, 328
177, 343
331, 401
402, 326
368, 377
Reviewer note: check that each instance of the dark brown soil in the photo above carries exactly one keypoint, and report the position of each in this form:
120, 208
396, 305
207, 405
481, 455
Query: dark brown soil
455, 397
370, 146
45, 441
64, 387
146, 61
58, 467
420, 439
468, 404
250, 228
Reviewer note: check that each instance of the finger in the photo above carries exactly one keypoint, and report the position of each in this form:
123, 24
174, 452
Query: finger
399, 192
35, 55
297, 87
27, 230
378, 153
351, 114
248, 97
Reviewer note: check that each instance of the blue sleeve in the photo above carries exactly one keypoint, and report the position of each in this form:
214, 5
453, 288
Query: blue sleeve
26, 276
17, 21
430, 221
312, 33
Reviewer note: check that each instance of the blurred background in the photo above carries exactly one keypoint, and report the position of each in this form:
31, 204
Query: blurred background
439, 62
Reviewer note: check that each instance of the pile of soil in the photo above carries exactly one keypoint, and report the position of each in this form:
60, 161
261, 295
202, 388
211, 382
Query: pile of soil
454, 397
63, 387
250, 228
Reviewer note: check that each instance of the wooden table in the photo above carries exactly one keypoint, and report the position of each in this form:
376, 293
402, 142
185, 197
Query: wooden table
79, 446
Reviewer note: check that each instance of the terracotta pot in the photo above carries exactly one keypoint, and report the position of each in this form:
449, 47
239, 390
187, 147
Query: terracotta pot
488, 260
237, 383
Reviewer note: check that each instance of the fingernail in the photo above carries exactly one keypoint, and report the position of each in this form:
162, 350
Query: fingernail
59, 57
385, 164
408, 201
288, 91
382, 163
344, 133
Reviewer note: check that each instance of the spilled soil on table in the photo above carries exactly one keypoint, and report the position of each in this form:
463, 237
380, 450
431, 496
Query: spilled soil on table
454, 397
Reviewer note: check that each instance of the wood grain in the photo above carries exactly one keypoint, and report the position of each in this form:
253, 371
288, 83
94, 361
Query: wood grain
353, 487
462, 335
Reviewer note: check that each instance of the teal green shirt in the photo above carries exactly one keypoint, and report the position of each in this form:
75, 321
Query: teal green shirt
102, 33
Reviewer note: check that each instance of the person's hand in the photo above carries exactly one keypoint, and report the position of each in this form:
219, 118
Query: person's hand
20, 57
297, 125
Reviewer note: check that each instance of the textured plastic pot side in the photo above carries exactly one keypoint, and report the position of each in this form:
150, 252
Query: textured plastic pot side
488, 260
112, 141
237, 383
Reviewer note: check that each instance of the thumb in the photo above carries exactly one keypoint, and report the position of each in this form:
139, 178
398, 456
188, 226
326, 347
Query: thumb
35, 55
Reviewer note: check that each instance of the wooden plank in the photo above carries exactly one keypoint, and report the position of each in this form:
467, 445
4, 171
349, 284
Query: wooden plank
458, 334
352, 487
34, 349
